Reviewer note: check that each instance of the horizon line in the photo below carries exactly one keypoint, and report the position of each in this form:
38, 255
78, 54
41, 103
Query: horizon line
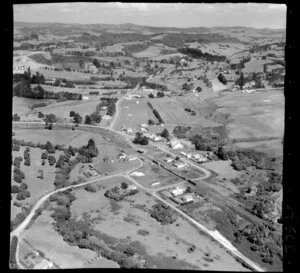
235, 26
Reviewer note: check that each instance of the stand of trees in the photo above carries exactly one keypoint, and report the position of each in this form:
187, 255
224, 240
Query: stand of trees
140, 139
163, 214
197, 54
222, 78
81, 234
157, 115
117, 194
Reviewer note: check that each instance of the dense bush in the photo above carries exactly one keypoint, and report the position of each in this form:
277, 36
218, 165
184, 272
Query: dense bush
157, 115
51, 160
151, 122
12, 255
18, 175
222, 78
23, 194
181, 131
16, 147
16, 117
91, 188
23, 89
165, 133
197, 53
140, 139
163, 214
160, 94
15, 189
17, 161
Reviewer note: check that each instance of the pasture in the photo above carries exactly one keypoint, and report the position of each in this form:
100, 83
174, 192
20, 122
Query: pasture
152, 173
224, 49
124, 220
256, 115
36, 186
41, 235
63, 110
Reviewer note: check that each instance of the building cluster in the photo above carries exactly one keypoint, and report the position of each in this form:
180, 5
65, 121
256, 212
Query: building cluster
196, 157
90, 171
175, 144
180, 196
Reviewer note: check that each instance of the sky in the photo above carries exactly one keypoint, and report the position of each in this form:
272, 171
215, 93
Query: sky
156, 14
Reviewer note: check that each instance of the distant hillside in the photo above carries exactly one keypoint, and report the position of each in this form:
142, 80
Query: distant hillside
108, 34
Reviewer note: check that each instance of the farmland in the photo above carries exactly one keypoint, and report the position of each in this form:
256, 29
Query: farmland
131, 216
109, 121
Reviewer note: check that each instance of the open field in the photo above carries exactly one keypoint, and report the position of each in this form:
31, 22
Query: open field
42, 236
65, 75
270, 147
152, 51
130, 216
225, 49
23, 105
82, 107
36, 186
255, 65
260, 115
153, 173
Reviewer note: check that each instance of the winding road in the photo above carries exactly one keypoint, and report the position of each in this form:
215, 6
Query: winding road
213, 233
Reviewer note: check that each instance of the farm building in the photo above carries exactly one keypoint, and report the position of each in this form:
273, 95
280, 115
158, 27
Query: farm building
143, 130
169, 159
153, 137
200, 158
85, 97
155, 183
175, 144
138, 174
131, 188
177, 191
106, 117
94, 93
144, 125
103, 107
179, 164
187, 198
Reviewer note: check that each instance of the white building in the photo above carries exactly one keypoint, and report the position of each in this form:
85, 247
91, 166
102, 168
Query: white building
144, 130
144, 125
187, 198
169, 159
106, 117
138, 174
131, 188
175, 144
200, 157
155, 183
85, 97
177, 191
179, 164
129, 130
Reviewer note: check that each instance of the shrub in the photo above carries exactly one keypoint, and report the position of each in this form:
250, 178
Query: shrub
16, 117
23, 186
44, 155
15, 189
151, 122
16, 147
91, 188
222, 78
